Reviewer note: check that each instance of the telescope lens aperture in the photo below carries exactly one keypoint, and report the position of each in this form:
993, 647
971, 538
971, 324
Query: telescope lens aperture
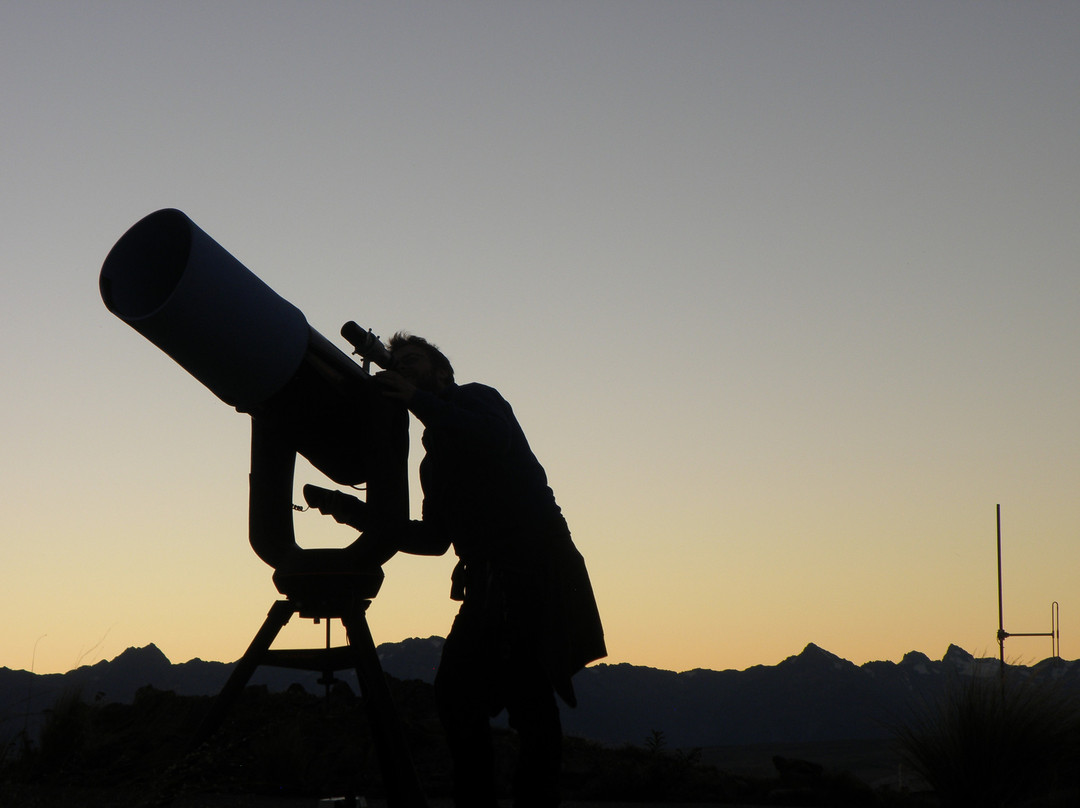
163, 242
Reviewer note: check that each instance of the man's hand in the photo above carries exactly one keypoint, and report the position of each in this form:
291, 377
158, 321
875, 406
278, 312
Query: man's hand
346, 509
394, 385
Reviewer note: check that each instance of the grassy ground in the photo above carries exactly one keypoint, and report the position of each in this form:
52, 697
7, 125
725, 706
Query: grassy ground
875, 762
872, 762
46, 797
290, 744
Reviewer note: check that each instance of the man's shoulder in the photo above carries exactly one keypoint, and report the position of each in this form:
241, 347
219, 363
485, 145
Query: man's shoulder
480, 397
475, 390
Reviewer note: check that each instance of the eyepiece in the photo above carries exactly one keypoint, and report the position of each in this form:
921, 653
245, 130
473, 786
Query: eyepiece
366, 344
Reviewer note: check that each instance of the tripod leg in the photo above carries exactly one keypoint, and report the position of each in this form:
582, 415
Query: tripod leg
399, 775
276, 619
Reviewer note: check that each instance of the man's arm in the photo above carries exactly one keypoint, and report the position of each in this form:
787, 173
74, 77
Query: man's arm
421, 538
378, 543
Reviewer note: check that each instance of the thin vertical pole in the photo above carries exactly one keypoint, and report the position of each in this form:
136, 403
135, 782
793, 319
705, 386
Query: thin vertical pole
1055, 628
1001, 613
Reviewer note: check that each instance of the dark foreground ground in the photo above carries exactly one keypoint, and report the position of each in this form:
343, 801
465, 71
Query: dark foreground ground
875, 762
93, 798
290, 749
80, 798
867, 769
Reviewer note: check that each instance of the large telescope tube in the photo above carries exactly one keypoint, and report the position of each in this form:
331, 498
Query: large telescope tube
185, 293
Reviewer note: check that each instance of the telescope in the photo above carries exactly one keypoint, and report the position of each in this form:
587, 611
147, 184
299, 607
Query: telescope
255, 351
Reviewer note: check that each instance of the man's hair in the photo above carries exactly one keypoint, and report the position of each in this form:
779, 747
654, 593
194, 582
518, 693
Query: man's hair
437, 357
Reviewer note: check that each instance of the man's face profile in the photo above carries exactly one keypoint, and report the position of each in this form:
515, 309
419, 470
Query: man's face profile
414, 365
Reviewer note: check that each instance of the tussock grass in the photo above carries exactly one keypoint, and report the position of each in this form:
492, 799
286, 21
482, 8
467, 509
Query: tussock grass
994, 741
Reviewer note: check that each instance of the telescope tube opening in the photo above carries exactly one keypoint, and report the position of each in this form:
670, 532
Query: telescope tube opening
188, 295
161, 241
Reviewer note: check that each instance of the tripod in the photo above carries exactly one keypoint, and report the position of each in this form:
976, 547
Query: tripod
318, 584
399, 776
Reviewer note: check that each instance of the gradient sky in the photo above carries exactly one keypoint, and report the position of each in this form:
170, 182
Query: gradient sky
784, 295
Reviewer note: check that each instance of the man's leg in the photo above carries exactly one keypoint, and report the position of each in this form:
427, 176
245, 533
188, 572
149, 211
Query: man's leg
534, 715
463, 697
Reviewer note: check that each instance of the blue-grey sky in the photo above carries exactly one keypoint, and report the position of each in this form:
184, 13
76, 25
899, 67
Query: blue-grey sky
784, 295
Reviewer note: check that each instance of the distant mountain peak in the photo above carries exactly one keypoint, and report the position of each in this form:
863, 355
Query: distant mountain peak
149, 657
957, 654
145, 653
917, 661
816, 654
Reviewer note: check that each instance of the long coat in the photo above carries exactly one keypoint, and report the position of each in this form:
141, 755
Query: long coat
486, 494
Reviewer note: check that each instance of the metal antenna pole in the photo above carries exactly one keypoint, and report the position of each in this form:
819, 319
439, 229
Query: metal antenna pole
1055, 628
1001, 635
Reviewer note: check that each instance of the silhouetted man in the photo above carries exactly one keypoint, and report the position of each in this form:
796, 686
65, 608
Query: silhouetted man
528, 620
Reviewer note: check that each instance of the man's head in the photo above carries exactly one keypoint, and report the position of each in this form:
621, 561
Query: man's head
420, 362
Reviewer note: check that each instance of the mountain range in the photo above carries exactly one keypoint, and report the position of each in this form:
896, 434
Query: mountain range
811, 697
